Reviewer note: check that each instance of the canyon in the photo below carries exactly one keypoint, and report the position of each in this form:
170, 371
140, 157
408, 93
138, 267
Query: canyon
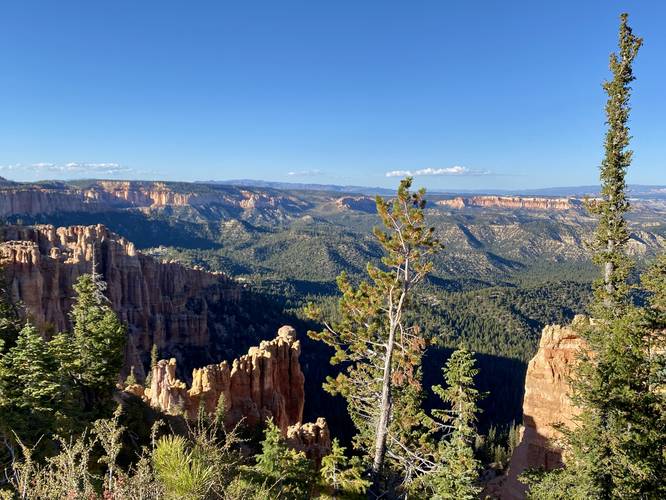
176, 308
98, 196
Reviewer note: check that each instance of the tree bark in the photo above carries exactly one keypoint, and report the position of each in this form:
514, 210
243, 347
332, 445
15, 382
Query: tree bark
384, 409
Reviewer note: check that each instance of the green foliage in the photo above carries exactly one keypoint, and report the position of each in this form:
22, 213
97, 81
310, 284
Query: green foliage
380, 352
457, 477
10, 322
30, 390
64, 475
98, 337
131, 378
62, 385
496, 447
342, 478
560, 484
183, 474
612, 233
288, 473
109, 433
616, 449
90, 357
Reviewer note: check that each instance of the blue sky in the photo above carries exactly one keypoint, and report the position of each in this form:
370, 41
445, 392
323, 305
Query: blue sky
483, 94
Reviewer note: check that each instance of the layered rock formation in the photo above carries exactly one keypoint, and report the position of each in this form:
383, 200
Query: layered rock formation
546, 404
33, 200
530, 203
38, 199
163, 303
265, 383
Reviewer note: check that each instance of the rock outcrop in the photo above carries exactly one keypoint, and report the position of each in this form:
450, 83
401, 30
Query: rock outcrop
545, 405
265, 383
312, 438
514, 202
163, 303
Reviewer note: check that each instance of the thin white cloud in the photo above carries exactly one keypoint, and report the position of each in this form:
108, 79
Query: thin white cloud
304, 173
109, 168
455, 170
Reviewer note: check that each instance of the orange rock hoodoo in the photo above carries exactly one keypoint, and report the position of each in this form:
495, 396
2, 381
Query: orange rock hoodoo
546, 404
266, 382
162, 303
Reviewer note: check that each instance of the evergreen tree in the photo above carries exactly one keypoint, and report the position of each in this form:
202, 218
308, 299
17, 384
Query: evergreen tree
612, 234
154, 354
616, 449
92, 355
10, 321
131, 378
288, 472
458, 475
342, 477
381, 352
29, 388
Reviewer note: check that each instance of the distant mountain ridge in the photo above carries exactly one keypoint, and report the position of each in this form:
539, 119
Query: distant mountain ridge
635, 190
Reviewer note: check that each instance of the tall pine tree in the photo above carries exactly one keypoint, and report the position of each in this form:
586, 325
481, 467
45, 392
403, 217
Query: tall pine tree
617, 449
30, 392
612, 233
91, 356
381, 352
457, 477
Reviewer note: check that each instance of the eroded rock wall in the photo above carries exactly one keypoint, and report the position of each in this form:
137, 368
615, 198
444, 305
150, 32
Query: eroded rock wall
37, 199
546, 404
530, 203
265, 383
163, 303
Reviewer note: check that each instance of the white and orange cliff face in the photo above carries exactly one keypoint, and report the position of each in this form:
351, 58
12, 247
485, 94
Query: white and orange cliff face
546, 405
513, 202
163, 303
30, 200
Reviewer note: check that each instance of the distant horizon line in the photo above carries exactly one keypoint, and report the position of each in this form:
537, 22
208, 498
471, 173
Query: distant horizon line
268, 183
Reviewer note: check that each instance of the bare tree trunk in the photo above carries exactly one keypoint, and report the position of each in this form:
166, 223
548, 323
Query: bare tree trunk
384, 408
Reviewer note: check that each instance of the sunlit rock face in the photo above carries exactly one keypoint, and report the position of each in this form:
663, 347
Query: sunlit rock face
267, 382
313, 438
515, 202
98, 196
163, 303
545, 405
